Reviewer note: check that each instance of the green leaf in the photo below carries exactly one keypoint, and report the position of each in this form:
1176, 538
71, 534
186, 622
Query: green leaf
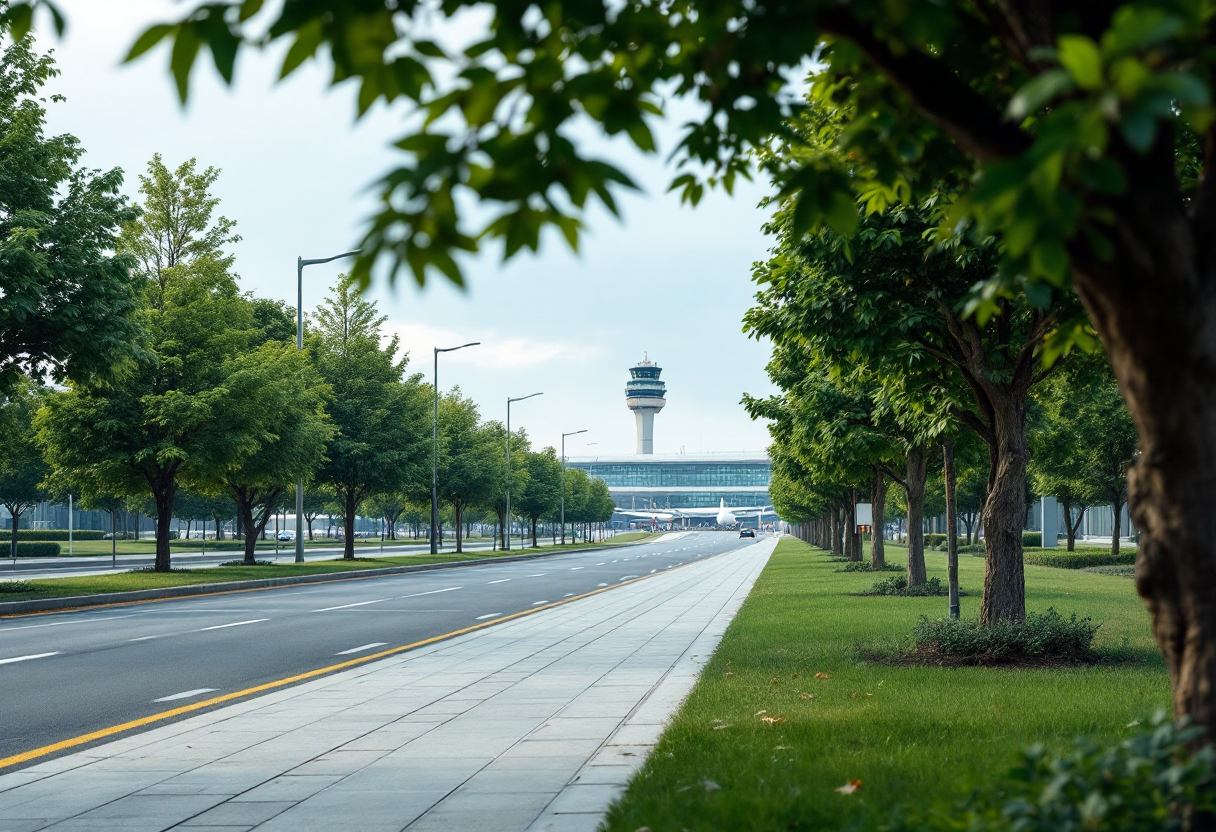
185, 50
1081, 57
1038, 92
308, 38
20, 20
429, 49
148, 39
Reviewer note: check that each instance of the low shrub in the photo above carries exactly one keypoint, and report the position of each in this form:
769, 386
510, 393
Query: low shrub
867, 566
1148, 781
976, 549
6, 535
17, 586
1032, 538
934, 541
1122, 571
898, 585
1042, 636
1078, 560
242, 563
29, 548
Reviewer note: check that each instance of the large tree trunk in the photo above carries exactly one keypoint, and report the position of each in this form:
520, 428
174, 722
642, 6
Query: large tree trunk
1005, 513
1069, 535
458, 507
1116, 525
852, 540
951, 526
535, 545
163, 490
917, 463
348, 519
12, 545
837, 550
878, 554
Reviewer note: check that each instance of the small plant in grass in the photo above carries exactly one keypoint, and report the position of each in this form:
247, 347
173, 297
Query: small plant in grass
898, 585
867, 566
1148, 781
242, 563
17, 586
141, 569
1041, 637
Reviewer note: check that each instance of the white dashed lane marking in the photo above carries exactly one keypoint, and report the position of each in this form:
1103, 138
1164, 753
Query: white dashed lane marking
234, 624
500, 581
432, 592
16, 659
186, 694
348, 606
487, 615
362, 648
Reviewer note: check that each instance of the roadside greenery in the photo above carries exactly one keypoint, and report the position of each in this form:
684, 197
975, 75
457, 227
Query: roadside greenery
915, 736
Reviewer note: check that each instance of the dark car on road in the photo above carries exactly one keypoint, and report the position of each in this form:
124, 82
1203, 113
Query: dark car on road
747, 532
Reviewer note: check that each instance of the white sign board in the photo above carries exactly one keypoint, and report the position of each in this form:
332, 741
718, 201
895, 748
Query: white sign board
865, 514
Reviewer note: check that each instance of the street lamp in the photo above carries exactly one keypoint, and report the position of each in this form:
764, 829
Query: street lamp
508, 515
435, 449
300, 264
564, 435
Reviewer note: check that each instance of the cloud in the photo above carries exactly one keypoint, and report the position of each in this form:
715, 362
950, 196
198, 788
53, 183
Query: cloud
495, 352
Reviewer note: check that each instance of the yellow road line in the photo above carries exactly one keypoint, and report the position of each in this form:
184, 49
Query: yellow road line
26, 756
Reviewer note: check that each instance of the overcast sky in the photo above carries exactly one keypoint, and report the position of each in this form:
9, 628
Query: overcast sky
667, 280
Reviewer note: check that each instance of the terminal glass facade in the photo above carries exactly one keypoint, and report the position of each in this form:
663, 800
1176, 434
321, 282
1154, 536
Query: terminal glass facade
682, 481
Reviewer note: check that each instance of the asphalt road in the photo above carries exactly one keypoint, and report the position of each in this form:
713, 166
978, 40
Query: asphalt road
67, 674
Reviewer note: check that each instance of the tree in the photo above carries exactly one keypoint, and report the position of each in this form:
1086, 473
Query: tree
66, 300
169, 419
22, 469
388, 507
316, 502
380, 415
578, 493
1059, 459
469, 458
543, 493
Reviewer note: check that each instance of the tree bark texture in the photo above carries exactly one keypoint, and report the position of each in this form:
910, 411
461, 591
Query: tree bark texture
917, 463
163, 490
349, 507
951, 526
1116, 526
15, 511
852, 538
458, 507
1005, 512
837, 550
878, 554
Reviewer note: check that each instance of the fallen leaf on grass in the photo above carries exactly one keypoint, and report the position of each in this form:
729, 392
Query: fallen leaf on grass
722, 727
761, 713
783, 748
823, 675
807, 695
849, 787
772, 720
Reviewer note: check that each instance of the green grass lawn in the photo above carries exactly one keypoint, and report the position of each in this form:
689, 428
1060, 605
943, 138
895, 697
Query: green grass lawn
914, 736
24, 590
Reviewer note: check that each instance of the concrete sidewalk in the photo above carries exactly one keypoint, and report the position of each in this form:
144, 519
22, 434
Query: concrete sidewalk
534, 724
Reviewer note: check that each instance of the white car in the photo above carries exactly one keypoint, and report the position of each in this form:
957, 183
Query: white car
286, 534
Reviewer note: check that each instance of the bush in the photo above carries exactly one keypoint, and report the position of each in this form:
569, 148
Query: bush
933, 541
6, 535
1032, 538
242, 563
1041, 636
867, 566
17, 586
1148, 781
1122, 571
898, 585
29, 549
976, 549
1079, 560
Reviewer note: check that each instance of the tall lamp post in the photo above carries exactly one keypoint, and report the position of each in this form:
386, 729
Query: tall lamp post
507, 519
435, 449
564, 435
300, 264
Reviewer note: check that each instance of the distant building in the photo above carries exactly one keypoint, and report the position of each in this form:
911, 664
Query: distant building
670, 482
644, 395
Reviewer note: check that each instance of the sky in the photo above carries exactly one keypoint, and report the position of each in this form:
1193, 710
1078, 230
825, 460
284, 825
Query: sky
667, 280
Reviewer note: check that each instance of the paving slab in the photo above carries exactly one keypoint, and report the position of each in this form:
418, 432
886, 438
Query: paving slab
534, 724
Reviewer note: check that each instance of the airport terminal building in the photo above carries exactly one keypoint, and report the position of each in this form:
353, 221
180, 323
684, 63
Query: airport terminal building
666, 482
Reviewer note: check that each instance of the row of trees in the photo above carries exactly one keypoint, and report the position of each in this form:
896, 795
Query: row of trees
172, 379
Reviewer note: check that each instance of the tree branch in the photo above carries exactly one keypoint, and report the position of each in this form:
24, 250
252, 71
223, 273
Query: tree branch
972, 421
979, 127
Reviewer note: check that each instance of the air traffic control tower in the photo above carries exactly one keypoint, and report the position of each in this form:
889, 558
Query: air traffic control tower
644, 396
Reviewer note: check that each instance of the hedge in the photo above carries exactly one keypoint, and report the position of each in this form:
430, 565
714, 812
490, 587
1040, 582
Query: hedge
30, 549
1075, 560
53, 534
933, 540
1032, 539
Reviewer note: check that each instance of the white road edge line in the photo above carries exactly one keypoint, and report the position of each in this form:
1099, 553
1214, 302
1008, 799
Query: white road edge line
27, 658
186, 694
356, 604
362, 648
432, 592
233, 624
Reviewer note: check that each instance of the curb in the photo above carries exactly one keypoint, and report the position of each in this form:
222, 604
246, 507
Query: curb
71, 602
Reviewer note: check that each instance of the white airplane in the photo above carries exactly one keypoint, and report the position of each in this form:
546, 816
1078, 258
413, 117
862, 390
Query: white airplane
724, 518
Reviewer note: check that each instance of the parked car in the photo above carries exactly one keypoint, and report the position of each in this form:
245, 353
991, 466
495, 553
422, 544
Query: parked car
286, 534
747, 532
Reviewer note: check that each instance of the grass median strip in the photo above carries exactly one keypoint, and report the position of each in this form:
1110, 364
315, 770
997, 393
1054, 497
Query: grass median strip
787, 713
27, 589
